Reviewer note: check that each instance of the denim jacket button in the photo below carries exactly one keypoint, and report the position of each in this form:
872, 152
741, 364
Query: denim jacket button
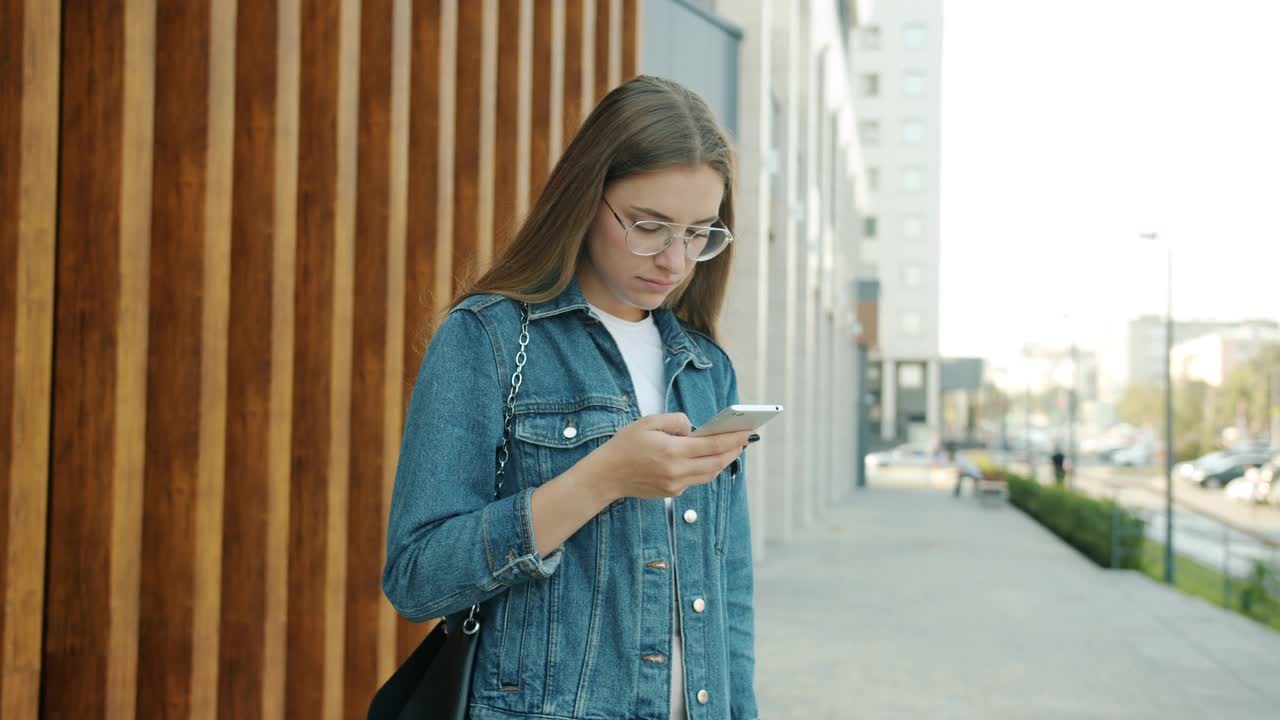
691, 516
571, 432
703, 697
699, 605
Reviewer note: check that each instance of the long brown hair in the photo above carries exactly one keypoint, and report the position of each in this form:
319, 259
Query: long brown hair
644, 125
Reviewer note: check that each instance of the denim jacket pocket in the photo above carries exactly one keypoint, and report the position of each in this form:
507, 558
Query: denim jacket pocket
724, 496
555, 436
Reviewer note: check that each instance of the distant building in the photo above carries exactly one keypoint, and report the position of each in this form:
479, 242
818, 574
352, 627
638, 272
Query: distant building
1212, 357
1143, 351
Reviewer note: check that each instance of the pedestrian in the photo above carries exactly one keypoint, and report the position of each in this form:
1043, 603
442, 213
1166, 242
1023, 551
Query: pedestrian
546, 472
1059, 461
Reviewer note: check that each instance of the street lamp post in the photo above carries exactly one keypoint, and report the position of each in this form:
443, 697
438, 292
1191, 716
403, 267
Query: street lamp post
1168, 414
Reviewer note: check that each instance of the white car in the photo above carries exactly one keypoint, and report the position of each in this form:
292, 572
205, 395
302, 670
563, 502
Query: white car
1249, 487
909, 455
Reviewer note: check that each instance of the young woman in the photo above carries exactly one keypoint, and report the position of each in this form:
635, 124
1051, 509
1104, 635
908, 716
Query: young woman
608, 550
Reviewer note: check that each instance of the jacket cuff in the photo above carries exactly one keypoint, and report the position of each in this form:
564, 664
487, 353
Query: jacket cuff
509, 544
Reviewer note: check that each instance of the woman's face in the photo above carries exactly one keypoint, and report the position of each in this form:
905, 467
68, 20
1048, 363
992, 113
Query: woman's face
627, 285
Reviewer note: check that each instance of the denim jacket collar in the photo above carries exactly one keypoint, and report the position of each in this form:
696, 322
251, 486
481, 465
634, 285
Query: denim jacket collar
674, 336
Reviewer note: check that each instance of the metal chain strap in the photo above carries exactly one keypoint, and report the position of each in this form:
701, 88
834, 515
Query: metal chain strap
471, 625
516, 379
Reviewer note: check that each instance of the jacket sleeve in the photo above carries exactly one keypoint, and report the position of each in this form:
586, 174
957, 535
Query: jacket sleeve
450, 544
740, 584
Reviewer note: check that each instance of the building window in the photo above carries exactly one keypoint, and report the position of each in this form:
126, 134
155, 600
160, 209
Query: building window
911, 375
912, 132
914, 36
873, 178
912, 275
913, 83
869, 38
912, 226
912, 179
911, 325
869, 131
870, 85
869, 226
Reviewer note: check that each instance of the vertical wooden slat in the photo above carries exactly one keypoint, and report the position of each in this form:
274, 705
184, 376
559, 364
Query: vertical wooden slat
77, 619
253, 365
540, 159
345, 172
615, 42
364, 518
313, 358
397, 253
507, 122
422, 228
447, 152
600, 64
631, 13
485, 142
524, 111
466, 140
284, 280
210, 487
574, 27
29, 87
173, 359
137, 145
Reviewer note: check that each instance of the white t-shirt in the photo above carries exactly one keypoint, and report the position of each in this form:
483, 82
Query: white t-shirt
641, 346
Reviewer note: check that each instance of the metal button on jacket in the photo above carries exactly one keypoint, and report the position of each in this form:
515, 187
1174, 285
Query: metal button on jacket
703, 697
699, 605
691, 516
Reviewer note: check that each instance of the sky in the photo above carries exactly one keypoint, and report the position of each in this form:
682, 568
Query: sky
1070, 128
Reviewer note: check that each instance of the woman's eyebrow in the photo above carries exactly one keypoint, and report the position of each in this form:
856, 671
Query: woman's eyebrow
667, 218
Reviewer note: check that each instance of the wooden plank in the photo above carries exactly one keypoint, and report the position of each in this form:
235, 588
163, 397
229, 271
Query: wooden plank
574, 52
313, 359
446, 150
469, 51
487, 152
131, 349
540, 159
601, 37
173, 356
631, 24
250, 434
506, 139
29, 76
77, 620
365, 532
422, 222
524, 117
284, 264
215, 325
345, 171
394, 391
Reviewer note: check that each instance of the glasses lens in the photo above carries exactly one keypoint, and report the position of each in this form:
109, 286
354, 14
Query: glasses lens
648, 237
706, 244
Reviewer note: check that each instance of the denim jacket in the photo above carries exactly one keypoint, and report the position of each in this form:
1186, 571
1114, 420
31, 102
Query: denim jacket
584, 632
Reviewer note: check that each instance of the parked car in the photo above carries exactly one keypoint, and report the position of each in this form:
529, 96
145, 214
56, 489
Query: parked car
1219, 472
1186, 470
908, 455
1248, 488
1132, 456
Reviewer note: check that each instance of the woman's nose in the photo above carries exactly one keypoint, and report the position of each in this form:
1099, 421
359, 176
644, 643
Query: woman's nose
672, 257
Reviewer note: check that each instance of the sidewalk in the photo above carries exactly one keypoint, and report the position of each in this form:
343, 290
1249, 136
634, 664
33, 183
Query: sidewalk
909, 603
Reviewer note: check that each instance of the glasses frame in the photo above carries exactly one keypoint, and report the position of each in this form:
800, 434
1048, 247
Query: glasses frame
672, 226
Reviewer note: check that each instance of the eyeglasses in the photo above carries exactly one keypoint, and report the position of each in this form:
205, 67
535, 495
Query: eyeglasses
650, 237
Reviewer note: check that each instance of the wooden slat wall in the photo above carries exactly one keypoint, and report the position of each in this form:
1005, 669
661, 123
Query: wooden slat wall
249, 211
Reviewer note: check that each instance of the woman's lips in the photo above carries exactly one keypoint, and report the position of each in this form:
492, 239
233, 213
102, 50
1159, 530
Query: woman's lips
657, 284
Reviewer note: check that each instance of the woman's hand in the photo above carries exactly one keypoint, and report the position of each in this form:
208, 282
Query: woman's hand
653, 457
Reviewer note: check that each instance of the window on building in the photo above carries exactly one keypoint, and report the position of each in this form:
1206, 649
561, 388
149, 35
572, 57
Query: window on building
914, 36
869, 38
912, 226
869, 131
869, 226
911, 326
870, 85
913, 83
912, 132
912, 179
912, 275
911, 375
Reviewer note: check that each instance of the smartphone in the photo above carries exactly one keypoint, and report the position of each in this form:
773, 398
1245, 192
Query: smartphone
737, 418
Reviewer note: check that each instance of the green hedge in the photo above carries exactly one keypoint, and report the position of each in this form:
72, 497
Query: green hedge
1082, 521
